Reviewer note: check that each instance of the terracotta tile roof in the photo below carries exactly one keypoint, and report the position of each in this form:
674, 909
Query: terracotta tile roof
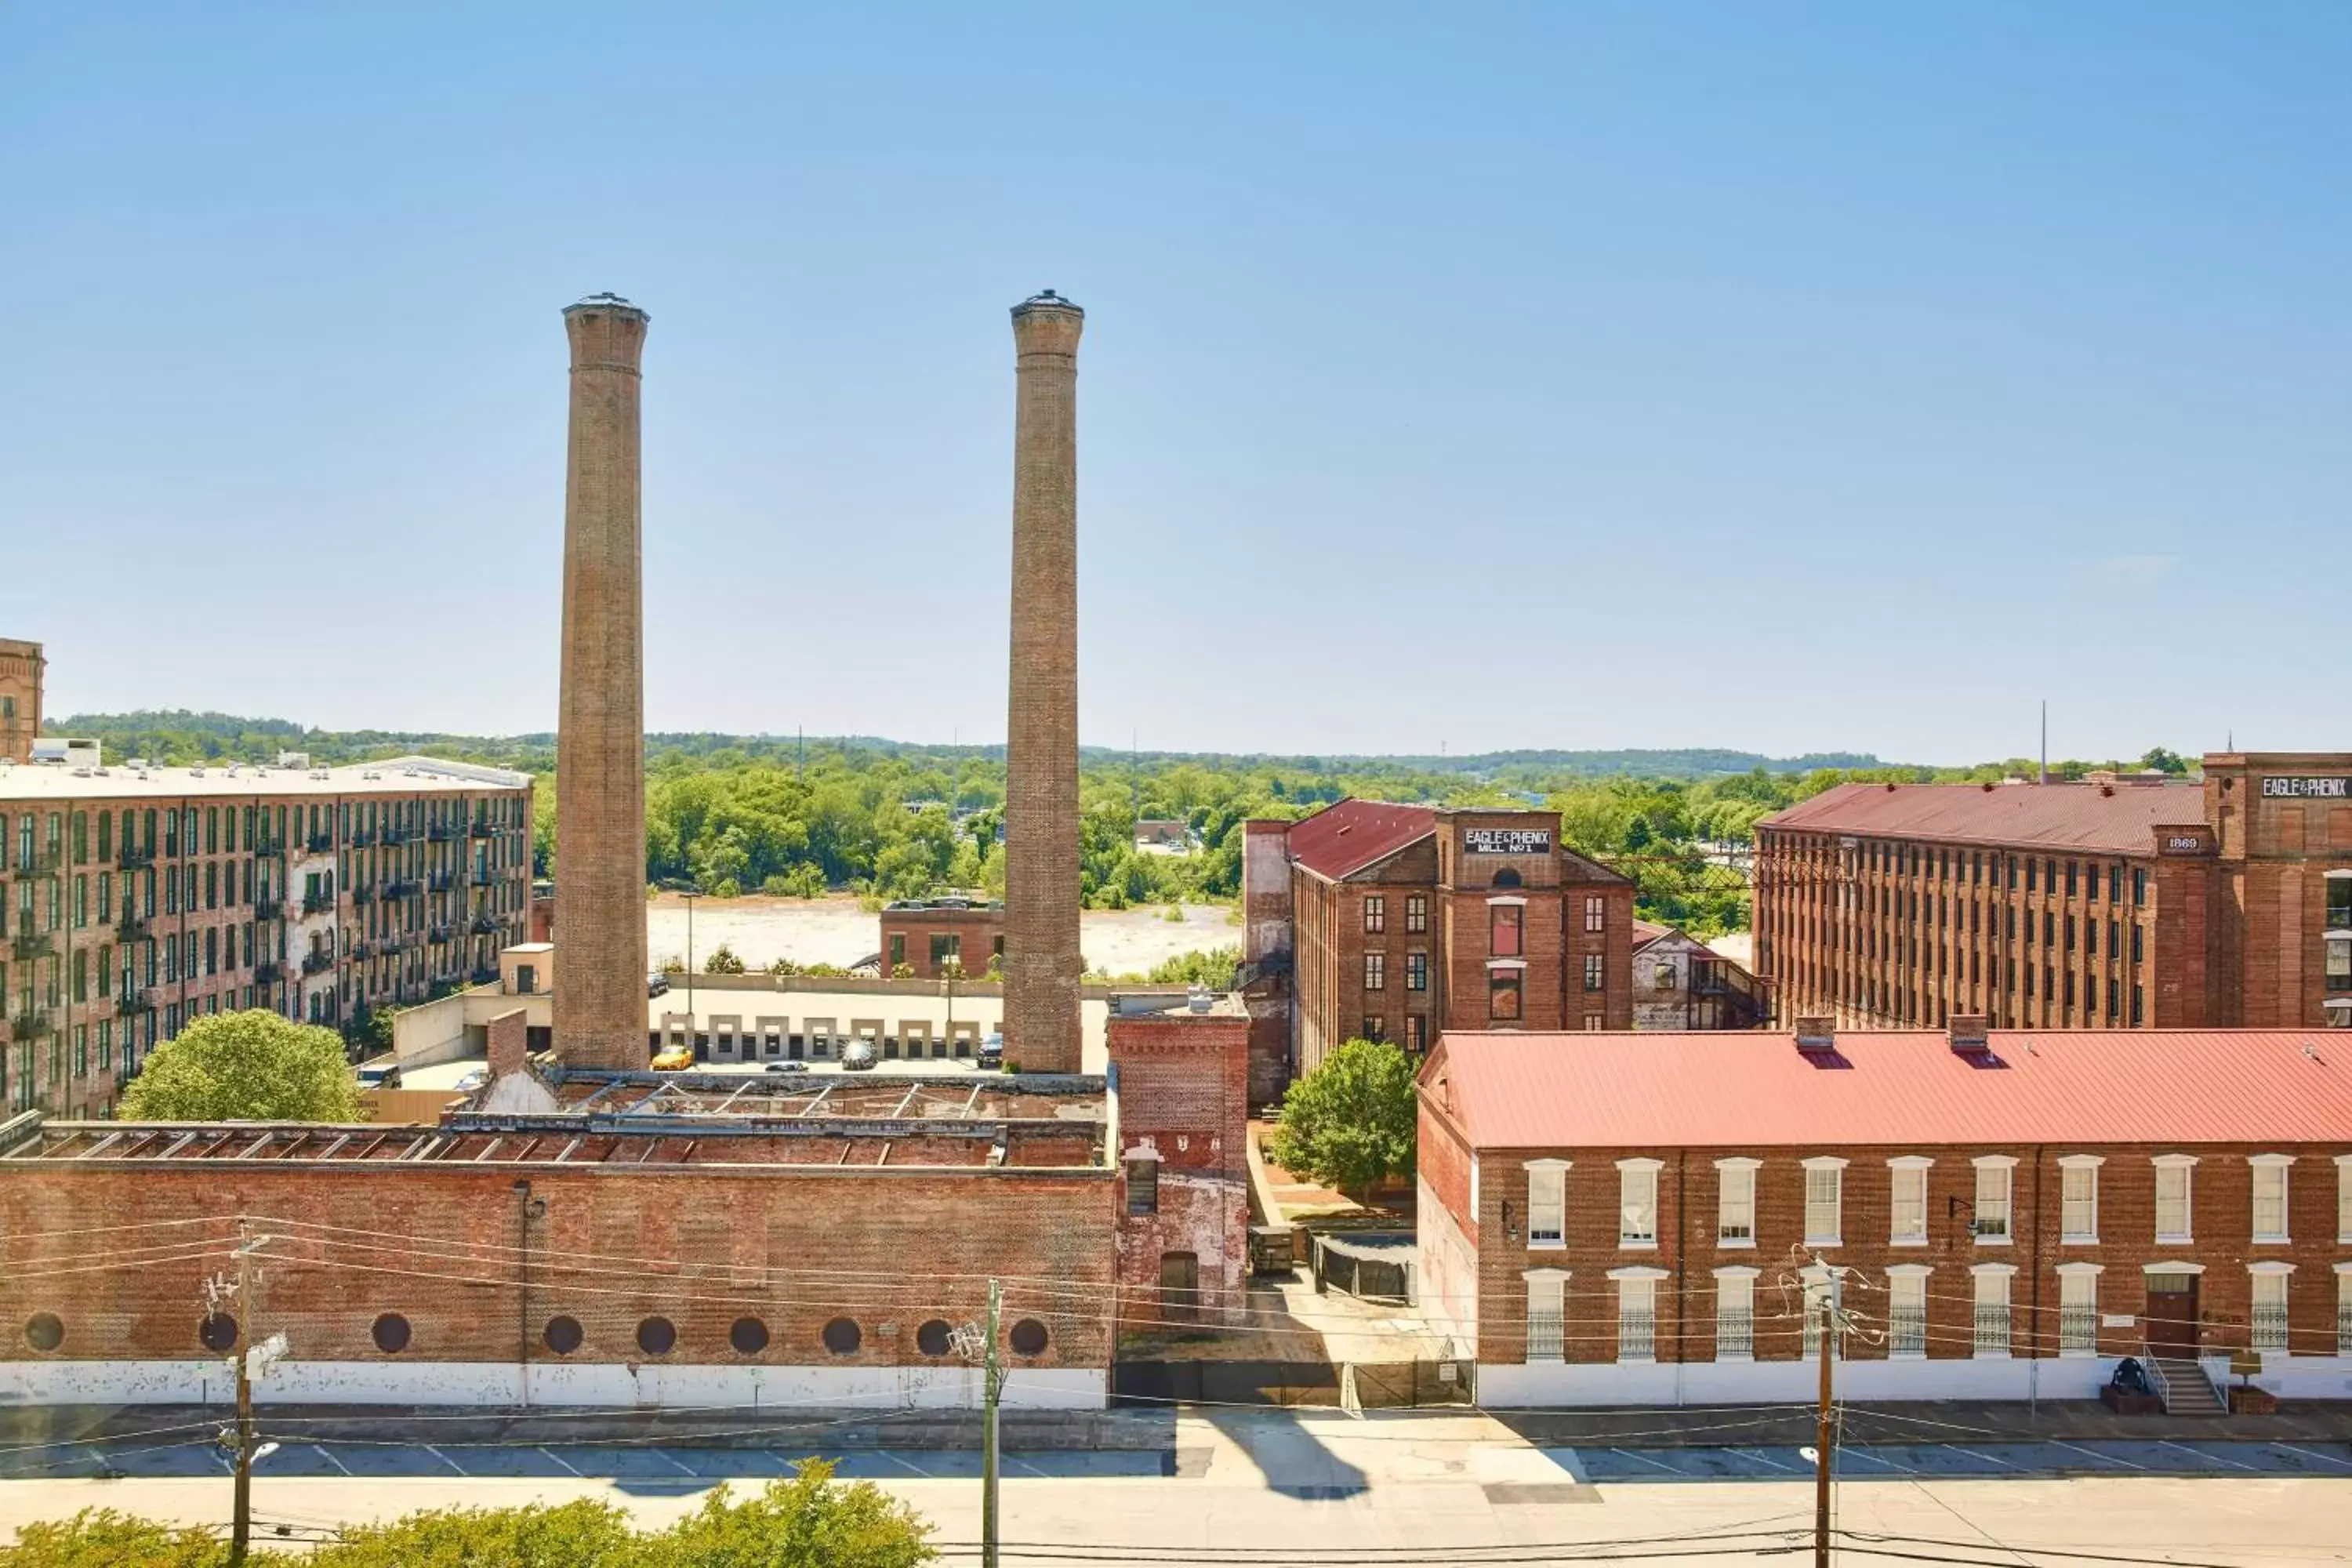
1343, 838
2117, 820
1733, 1089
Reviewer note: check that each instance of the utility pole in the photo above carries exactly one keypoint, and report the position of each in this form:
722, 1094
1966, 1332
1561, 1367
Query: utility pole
991, 1385
247, 1449
1825, 1424
689, 896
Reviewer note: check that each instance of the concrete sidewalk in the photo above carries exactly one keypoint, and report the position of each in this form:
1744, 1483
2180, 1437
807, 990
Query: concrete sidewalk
1916, 1421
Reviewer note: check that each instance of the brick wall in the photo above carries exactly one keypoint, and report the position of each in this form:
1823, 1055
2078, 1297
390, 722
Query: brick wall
22, 669
1183, 1099
979, 935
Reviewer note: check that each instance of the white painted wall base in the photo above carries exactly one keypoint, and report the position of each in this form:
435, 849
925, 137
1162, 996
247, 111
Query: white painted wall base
2303, 1376
500, 1385
1557, 1384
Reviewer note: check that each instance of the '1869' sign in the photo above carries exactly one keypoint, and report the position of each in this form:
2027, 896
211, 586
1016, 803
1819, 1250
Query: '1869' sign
2305, 789
1507, 840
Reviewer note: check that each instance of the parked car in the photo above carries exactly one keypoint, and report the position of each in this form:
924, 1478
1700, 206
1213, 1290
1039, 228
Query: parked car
788, 1067
991, 1049
858, 1056
473, 1081
677, 1059
382, 1073
656, 984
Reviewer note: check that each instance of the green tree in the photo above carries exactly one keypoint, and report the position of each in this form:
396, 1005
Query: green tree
807, 1521
587, 1533
1350, 1123
102, 1538
250, 1066
2157, 758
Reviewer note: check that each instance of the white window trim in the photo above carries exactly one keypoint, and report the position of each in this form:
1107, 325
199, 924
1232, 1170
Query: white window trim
2271, 1266
1919, 1162
2009, 1299
2079, 1271
1907, 1272
2343, 1209
1517, 898
1997, 1162
2282, 1163
2090, 1162
1736, 1271
1742, 1243
1507, 964
1825, 1163
2172, 1268
2186, 1162
1527, 1224
1531, 1278
1650, 1277
1657, 1204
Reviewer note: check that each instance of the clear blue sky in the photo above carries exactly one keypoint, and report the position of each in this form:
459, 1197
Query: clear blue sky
1776, 376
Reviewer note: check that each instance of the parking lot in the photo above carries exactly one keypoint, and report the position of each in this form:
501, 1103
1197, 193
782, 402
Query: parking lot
1955, 1461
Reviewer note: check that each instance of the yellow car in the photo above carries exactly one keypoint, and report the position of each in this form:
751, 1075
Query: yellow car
677, 1059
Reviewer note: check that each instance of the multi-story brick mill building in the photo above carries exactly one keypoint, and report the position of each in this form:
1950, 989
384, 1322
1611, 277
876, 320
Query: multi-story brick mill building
138, 898
1643, 1219
2099, 905
21, 667
1402, 922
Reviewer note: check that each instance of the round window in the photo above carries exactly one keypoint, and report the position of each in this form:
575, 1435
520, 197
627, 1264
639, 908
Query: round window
841, 1337
563, 1336
932, 1337
44, 1331
749, 1336
656, 1336
390, 1333
218, 1333
1028, 1337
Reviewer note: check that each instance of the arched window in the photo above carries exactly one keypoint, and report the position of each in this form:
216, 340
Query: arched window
1506, 877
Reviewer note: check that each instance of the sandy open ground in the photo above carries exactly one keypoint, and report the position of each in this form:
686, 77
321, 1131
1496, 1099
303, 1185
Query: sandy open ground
836, 931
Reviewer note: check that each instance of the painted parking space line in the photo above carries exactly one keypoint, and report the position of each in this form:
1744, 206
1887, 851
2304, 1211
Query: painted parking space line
1864, 1453
1646, 1459
2209, 1458
329, 1455
1997, 1462
560, 1462
2301, 1452
1769, 1463
447, 1460
2100, 1455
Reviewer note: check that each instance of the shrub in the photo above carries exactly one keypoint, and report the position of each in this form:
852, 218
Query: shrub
250, 1066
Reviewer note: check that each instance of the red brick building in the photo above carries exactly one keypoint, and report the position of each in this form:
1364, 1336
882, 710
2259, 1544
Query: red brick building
923, 934
2099, 905
1639, 1218
22, 671
136, 899
1183, 1077
1404, 921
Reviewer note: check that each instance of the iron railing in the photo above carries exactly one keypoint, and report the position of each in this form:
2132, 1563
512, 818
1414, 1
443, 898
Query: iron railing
1991, 1330
2078, 1330
1637, 1335
1907, 1330
32, 944
133, 859
2344, 1329
1735, 1331
1544, 1336
2268, 1328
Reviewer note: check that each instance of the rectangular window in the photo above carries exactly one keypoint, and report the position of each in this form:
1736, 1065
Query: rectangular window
1376, 971
1503, 995
1906, 1315
2079, 1201
1143, 1185
946, 946
1992, 1337
1637, 1203
2269, 1199
1824, 1185
1416, 971
2139, 886
1993, 1186
2078, 1306
1547, 1204
1734, 1316
2269, 1325
2344, 1198
1595, 913
1416, 1032
2172, 1199
1376, 914
1505, 924
1375, 1027
1416, 913
1637, 1319
1546, 1294
1907, 1207
1594, 972
1735, 1205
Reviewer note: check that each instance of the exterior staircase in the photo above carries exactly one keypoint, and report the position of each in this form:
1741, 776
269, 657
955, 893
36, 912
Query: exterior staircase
2183, 1387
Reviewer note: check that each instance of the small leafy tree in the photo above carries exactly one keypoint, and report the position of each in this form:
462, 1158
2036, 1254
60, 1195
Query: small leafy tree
1350, 1123
102, 1538
250, 1066
723, 962
807, 1521
583, 1534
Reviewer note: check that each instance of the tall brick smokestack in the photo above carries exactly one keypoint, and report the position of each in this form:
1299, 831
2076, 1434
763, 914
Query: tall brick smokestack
600, 757
1041, 753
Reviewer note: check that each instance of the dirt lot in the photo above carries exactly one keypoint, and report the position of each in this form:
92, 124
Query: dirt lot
836, 931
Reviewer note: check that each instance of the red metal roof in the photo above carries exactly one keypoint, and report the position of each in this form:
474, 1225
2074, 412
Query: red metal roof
2118, 819
1744, 1090
1345, 837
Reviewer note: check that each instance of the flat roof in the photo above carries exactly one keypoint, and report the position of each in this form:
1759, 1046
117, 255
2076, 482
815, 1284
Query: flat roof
246, 780
1746, 1089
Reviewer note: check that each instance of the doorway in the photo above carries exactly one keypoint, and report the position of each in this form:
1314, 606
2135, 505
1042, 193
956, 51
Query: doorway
1180, 1286
2171, 1316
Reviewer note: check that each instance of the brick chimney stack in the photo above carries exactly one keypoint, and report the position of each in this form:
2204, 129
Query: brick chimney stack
600, 760
1041, 786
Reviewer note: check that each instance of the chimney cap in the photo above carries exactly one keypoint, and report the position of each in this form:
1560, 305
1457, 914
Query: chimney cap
1046, 300
1970, 1031
607, 300
1816, 1033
